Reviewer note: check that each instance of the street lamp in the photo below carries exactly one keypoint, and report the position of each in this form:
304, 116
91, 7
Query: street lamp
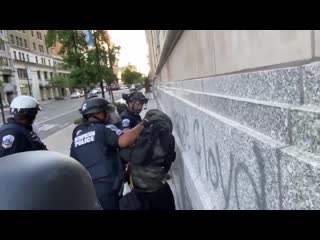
2, 110
28, 78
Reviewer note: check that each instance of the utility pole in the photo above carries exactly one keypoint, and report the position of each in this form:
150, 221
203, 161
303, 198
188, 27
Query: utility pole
2, 111
98, 62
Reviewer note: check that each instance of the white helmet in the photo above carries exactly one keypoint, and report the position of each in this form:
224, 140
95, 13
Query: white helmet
24, 105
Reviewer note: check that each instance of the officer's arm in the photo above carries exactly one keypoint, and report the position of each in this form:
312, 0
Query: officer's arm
130, 136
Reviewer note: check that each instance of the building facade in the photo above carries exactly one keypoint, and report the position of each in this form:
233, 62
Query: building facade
6, 70
246, 108
34, 64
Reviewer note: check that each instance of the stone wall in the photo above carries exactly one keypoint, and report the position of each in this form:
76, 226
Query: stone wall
247, 140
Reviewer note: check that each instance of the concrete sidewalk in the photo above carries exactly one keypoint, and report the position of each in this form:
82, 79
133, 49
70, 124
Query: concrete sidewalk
60, 141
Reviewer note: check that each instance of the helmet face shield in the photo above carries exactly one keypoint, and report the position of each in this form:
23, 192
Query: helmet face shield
25, 106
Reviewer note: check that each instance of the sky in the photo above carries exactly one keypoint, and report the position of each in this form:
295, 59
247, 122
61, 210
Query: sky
134, 48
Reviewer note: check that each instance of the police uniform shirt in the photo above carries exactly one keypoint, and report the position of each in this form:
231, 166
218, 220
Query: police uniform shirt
13, 140
129, 119
95, 146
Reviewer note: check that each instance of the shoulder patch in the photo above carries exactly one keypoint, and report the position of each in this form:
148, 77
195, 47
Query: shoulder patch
125, 123
7, 141
114, 129
78, 132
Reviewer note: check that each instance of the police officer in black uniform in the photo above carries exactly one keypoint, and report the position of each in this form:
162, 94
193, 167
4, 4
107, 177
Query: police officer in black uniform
17, 135
130, 116
95, 145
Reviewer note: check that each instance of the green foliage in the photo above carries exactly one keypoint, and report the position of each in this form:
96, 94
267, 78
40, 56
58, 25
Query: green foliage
130, 75
60, 81
88, 66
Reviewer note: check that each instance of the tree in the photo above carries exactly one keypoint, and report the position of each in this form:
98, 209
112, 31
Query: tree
74, 48
59, 81
108, 54
129, 75
88, 66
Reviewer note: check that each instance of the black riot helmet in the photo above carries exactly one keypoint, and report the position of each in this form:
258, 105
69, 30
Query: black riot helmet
95, 105
135, 96
44, 180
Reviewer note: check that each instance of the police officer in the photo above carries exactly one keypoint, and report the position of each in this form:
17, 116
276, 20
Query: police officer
45, 180
17, 135
130, 116
95, 145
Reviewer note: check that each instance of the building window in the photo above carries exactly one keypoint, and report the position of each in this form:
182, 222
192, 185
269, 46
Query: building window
36, 59
45, 75
44, 61
6, 78
48, 50
20, 41
22, 73
39, 35
32, 33
12, 38
2, 45
28, 58
34, 46
51, 75
49, 62
23, 57
25, 43
41, 48
15, 54
20, 58
4, 61
17, 40
39, 75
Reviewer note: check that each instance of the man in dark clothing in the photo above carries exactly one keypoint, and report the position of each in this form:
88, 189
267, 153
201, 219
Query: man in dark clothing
130, 116
149, 161
17, 135
95, 145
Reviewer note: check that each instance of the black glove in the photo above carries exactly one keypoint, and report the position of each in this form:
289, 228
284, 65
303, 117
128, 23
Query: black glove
146, 122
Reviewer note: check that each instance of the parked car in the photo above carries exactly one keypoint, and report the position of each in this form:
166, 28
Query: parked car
92, 94
123, 87
75, 95
82, 94
132, 88
94, 91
